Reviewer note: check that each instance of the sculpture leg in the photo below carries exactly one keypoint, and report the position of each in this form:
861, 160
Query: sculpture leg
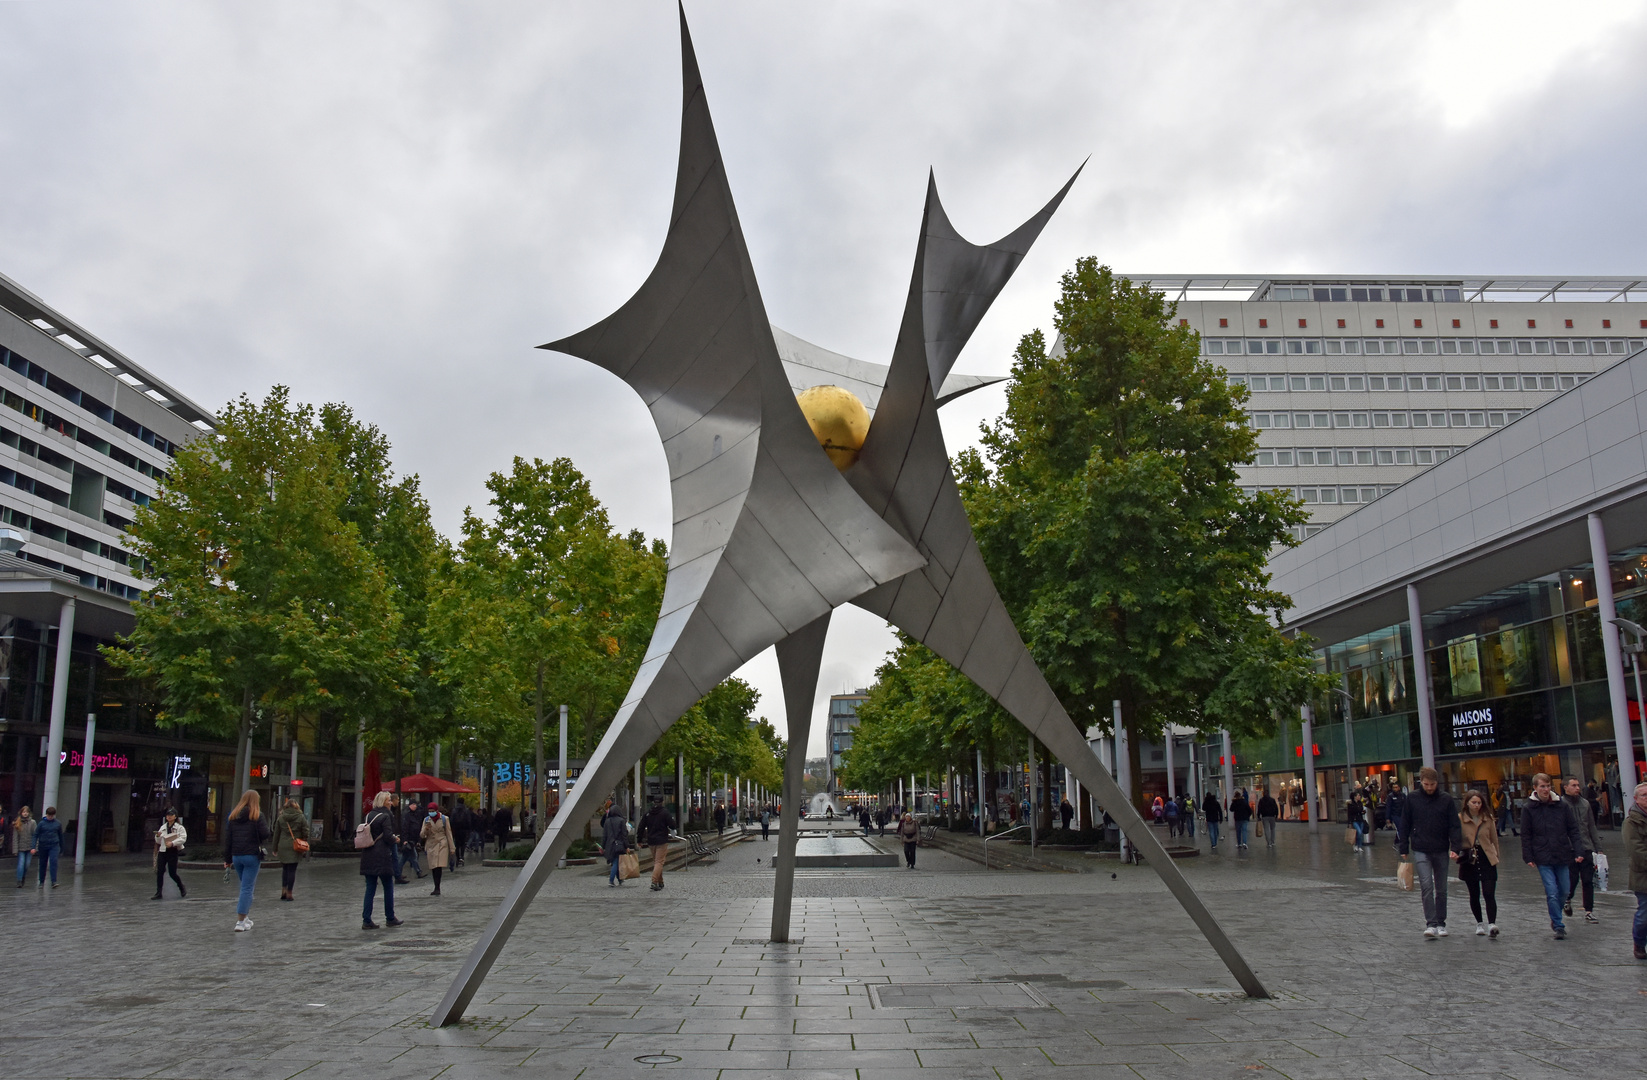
799, 655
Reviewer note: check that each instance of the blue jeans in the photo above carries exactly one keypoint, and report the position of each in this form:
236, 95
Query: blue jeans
1212, 831
1241, 834
371, 893
1432, 870
23, 865
246, 867
612, 872
1555, 880
1360, 833
404, 856
48, 857
1638, 929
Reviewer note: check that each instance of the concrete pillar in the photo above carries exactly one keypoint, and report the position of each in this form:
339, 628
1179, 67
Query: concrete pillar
1421, 679
1616, 694
1172, 767
359, 814
59, 706
1307, 715
82, 828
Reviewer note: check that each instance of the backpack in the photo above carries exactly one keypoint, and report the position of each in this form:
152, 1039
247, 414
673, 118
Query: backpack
363, 835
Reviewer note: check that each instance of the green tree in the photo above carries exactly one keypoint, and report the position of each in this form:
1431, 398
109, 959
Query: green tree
1110, 515
265, 598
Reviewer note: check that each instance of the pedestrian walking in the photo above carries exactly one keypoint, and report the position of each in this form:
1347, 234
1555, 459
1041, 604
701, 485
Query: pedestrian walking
377, 863
720, 818
502, 822
1551, 844
1186, 814
1215, 815
438, 842
910, 833
168, 847
1268, 811
863, 819
243, 840
614, 837
1067, 812
1398, 806
1240, 813
460, 830
22, 831
1169, 811
1429, 830
289, 827
48, 843
1584, 813
654, 830
1478, 861
405, 823
766, 821
1357, 811
1635, 848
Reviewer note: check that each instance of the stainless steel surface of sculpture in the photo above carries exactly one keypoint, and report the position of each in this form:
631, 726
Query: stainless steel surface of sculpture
769, 537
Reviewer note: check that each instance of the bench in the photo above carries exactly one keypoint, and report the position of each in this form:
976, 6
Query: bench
929, 834
700, 849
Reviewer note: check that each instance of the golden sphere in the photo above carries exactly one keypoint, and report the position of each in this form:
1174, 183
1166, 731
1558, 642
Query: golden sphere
838, 420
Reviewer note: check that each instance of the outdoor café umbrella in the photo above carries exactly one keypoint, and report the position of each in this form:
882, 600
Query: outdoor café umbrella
423, 783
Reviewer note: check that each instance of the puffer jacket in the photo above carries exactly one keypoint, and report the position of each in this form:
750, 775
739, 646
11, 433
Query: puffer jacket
48, 834
1429, 823
243, 836
1549, 833
1635, 843
1584, 816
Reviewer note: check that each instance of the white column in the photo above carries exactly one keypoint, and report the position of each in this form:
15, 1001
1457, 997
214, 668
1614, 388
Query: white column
980, 814
1229, 771
1307, 715
563, 710
1123, 754
437, 760
1030, 786
1172, 767
360, 776
85, 793
1421, 679
291, 773
59, 705
1614, 656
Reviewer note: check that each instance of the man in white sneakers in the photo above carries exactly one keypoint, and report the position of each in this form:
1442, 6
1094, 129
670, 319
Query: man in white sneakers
1430, 830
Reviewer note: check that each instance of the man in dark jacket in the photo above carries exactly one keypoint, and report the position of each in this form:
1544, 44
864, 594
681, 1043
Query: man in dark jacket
1550, 844
461, 824
1584, 813
1396, 807
654, 831
1214, 814
1268, 811
1429, 829
1240, 813
720, 818
48, 841
502, 822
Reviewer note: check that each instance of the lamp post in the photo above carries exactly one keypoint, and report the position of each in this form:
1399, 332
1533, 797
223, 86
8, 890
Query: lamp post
1638, 644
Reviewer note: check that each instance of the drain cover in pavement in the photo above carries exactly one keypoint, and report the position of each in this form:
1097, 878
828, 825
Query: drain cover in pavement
657, 1059
1001, 995
415, 943
765, 941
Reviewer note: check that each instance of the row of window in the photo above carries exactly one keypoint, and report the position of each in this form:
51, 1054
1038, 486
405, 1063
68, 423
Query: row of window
73, 431
1458, 418
1339, 294
19, 519
37, 374
1420, 346
1364, 493
1355, 455
1509, 380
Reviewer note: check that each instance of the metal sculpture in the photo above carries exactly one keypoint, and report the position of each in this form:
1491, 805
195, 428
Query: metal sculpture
770, 536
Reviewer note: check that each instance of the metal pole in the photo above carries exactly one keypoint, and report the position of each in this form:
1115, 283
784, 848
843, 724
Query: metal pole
680, 792
437, 760
1172, 766
85, 793
291, 774
563, 755
539, 801
360, 776
1229, 771
1635, 664
1308, 750
635, 803
59, 704
1610, 647
1029, 782
1421, 680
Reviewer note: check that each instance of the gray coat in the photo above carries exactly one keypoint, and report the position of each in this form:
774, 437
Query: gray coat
1584, 815
25, 834
614, 835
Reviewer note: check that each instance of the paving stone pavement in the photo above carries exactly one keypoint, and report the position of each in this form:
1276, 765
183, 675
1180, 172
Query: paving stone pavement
946, 971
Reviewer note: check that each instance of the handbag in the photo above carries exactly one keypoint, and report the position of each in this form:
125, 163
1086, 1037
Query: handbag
628, 866
1258, 829
1349, 835
1404, 875
298, 845
1600, 860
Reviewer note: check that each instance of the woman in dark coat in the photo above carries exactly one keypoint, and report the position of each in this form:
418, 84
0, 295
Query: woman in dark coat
614, 834
290, 827
377, 863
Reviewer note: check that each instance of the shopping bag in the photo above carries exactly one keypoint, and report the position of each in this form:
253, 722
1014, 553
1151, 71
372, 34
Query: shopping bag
1404, 875
1349, 835
1258, 830
628, 866
1601, 871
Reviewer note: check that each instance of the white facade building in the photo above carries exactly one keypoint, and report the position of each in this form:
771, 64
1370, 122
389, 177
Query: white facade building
1359, 384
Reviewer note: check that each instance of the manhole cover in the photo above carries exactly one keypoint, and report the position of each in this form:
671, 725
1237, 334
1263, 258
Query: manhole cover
1002, 995
657, 1059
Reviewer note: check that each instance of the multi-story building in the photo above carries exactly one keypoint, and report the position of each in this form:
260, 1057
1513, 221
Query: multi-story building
843, 721
1359, 384
85, 437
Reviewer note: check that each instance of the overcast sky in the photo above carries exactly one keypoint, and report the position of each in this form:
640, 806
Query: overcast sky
390, 204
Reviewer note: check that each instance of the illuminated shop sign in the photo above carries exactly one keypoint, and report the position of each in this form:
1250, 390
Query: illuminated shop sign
74, 759
1474, 729
174, 775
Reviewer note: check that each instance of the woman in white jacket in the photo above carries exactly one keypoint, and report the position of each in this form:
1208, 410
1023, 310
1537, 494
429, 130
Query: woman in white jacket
168, 844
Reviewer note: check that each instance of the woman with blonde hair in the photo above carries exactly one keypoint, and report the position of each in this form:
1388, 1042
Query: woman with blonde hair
243, 841
377, 863
1478, 860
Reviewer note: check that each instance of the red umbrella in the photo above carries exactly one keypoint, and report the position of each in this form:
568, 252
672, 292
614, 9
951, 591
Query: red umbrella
426, 784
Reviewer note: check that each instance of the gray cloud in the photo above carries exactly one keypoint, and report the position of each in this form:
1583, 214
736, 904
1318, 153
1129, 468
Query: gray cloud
391, 204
